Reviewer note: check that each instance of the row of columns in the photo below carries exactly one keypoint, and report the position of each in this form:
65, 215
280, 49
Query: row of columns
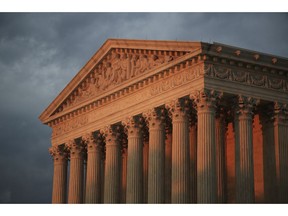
194, 173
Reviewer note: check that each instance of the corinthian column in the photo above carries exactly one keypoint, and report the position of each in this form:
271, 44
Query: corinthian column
180, 152
244, 150
134, 192
59, 155
206, 145
269, 161
281, 142
93, 173
220, 154
75, 194
156, 156
112, 165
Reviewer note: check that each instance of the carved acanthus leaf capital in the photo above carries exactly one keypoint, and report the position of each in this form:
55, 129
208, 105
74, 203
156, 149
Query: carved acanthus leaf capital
133, 124
59, 153
206, 98
92, 143
155, 118
177, 109
112, 134
280, 112
245, 105
75, 149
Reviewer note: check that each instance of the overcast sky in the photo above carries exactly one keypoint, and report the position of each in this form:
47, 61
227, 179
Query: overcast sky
40, 53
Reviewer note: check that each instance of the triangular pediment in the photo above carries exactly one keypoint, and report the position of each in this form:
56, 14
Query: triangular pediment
116, 62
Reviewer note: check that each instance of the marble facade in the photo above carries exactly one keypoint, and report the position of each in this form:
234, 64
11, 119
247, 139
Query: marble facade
172, 122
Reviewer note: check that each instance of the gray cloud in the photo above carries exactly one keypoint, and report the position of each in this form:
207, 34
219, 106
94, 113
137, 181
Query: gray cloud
41, 52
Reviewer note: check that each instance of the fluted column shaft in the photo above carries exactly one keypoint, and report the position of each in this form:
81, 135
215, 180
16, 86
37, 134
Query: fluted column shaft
220, 157
76, 173
93, 173
112, 166
124, 175
193, 162
281, 142
180, 154
244, 159
134, 192
269, 162
206, 166
145, 169
60, 175
206, 146
102, 176
156, 158
168, 165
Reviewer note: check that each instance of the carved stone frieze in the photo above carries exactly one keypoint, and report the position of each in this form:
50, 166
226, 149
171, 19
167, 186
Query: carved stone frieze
179, 79
254, 78
70, 125
113, 70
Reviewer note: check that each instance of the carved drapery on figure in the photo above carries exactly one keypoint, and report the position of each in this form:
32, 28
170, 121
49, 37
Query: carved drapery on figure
116, 68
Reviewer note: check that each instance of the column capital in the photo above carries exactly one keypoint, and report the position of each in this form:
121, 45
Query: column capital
206, 98
154, 117
245, 105
133, 124
111, 134
177, 108
59, 153
92, 142
76, 150
280, 113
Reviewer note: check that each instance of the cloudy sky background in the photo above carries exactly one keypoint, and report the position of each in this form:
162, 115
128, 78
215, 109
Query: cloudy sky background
41, 52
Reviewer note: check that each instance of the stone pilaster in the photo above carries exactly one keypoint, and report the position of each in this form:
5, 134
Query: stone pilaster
193, 160
156, 156
134, 192
93, 173
244, 150
112, 165
205, 101
269, 160
281, 143
75, 194
180, 152
220, 135
59, 155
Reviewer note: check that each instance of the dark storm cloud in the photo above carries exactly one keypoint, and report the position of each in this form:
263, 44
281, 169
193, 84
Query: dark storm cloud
40, 54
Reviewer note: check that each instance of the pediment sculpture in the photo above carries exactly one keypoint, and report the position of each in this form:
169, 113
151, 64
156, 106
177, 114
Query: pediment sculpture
115, 69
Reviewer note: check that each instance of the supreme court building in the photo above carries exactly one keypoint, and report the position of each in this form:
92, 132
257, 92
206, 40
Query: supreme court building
172, 122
